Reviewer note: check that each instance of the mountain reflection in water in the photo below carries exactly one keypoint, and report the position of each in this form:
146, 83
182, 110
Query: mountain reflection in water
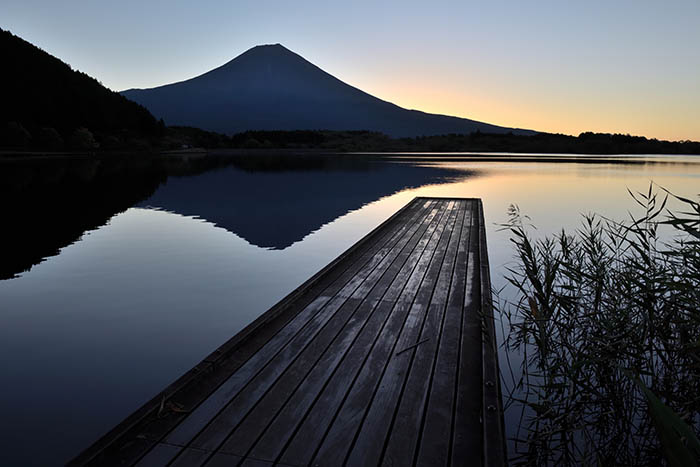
270, 201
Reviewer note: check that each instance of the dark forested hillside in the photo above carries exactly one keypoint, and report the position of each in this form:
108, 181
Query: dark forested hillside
48, 105
367, 141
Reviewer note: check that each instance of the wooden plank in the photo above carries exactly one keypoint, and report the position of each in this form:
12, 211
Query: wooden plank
369, 445
159, 455
468, 401
339, 438
400, 447
190, 457
436, 430
224, 460
250, 462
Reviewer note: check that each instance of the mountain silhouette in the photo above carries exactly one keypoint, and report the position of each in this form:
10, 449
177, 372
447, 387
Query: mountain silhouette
272, 88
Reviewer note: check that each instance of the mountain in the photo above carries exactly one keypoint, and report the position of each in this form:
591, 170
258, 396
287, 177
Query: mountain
272, 88
44, 101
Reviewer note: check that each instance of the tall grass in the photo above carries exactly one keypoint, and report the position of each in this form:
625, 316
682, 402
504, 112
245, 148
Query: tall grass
607, 323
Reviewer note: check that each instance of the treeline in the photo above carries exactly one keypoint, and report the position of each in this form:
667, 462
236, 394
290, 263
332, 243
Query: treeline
47, 105
366, 141
585, 143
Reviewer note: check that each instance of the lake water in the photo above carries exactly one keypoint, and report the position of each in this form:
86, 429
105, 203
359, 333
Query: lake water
118, 275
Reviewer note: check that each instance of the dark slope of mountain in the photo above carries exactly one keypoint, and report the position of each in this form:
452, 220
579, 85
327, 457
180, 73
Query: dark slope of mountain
44, 99
271, 88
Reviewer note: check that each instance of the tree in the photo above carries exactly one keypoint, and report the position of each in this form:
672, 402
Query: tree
83, 139
49, 138
14, 135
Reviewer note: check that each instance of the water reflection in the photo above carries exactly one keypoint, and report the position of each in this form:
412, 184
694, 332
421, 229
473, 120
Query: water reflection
270, 201
48, 204
272, 204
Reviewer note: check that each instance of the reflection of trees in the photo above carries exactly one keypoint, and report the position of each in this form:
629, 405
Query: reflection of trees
49, 204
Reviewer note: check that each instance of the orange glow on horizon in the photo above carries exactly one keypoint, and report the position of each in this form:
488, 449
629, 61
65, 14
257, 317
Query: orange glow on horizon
571, 115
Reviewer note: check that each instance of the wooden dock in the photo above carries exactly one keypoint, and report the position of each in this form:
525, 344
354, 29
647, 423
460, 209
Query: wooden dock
386, 356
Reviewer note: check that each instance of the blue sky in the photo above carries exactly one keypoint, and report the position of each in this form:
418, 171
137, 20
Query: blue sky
615, 66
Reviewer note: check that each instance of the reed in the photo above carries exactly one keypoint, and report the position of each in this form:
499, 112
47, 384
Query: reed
606, 323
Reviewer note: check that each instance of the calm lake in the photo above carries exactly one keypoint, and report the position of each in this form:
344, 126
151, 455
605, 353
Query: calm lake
118, 275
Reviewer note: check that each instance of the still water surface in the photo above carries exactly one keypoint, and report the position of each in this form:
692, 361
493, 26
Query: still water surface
118, 276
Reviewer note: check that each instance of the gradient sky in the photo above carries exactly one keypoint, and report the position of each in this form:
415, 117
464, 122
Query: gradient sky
559, 66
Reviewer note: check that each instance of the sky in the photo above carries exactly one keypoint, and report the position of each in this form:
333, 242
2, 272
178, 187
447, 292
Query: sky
613, 66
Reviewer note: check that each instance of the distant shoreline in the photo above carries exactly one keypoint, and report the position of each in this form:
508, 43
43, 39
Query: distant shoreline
462, 156
189, 140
